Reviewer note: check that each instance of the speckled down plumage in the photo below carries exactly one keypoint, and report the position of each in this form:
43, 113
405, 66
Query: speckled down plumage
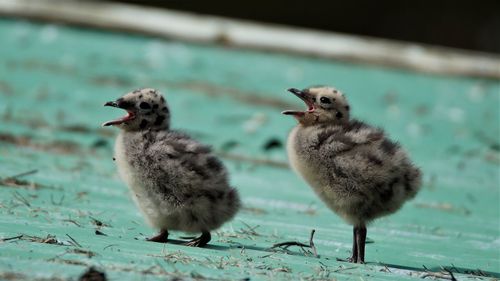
354, 168
177, 182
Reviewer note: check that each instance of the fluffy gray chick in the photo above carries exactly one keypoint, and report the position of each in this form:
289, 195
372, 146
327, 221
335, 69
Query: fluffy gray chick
176, 182
358, 172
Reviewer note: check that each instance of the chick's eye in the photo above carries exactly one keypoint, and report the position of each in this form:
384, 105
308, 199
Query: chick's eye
325, 100
144, 105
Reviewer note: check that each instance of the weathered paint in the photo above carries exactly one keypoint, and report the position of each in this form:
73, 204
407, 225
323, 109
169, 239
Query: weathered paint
54, 81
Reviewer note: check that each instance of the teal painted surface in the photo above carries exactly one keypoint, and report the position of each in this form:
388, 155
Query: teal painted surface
54, 80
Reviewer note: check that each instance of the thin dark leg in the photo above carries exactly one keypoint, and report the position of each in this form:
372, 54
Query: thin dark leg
361, 239
200, 241
162, 237
354, 256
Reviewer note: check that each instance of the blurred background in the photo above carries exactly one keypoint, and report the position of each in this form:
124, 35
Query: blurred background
427, 72
473, 25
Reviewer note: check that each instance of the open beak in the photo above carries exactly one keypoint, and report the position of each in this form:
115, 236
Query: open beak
304, 96
130, 114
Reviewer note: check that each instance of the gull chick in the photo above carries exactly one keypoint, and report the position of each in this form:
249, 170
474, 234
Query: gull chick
176, 182
353, 167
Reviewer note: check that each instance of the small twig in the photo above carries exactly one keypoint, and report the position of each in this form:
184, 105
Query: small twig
110, 245
73, 221
305, 252
286, 245
89, 254
437, 275
98, 222
22, 174
266, 256
451, 274
11, 238
74, 241
250, 230
447, 274
50, 239
341, 268
21, 198
311, 243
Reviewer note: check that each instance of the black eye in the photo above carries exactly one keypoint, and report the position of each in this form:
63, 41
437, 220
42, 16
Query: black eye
325, 100
314, 99
144, 105
124, 104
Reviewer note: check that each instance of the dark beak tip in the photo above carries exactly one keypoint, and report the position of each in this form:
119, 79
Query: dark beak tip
110, 103
288, 112
295, 91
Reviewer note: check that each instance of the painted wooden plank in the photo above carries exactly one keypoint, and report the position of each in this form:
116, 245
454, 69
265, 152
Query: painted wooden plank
54, 80
240, 33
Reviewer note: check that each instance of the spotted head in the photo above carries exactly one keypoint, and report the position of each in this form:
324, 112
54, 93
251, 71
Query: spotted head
146, 109
324, 105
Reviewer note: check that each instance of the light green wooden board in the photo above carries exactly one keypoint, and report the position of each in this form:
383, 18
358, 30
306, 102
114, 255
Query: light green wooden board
54, 80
